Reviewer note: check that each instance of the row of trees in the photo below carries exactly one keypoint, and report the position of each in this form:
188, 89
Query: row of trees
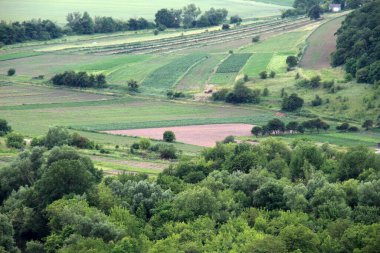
358, 43
82, 23
239, 94
17, 32
269, 197
191, 16
276, 126
79, 79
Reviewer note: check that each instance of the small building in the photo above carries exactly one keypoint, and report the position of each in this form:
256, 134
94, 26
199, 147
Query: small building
335, 7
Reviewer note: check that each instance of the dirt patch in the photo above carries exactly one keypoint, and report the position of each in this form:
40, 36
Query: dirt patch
321, 43
200, 135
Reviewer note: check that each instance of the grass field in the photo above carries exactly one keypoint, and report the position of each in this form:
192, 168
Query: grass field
57, 9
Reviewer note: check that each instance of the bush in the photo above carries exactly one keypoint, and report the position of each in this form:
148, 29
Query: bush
156, 32
169, 136
256, 39
245, 78
265, 92
4, 127
272, 74
220, 95
292, 103
291, 61
243, 94
317, 101
81, 142
167, 152
353, 129
144, 143
135, 145
263, 75
343, 127
15, 140
11, 72
133, 85
229, 139
225, 27
80, 80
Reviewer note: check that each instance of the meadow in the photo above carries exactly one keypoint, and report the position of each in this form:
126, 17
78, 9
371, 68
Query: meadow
57, 9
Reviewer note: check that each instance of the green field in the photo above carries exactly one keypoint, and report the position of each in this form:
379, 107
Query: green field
233, 63
58, 9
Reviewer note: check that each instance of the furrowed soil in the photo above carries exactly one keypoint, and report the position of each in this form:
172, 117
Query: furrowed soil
200, 135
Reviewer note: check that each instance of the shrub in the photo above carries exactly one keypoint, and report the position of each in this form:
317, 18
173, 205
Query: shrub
343, 127
220, 95
11, 72
291, 61
225, 26
80, 79
265, 92
256, 130
229, 139
4, 127
353, 129
272, 74
133, 85
317, 101
245, 78
167, 152
15, 140
156, 32
81, 142
256, 39
292, 103
144, 143
135, 145
243, 94
169, 136
263, 75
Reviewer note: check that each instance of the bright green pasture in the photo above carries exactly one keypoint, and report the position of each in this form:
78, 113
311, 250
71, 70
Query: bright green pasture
277, 2
223, 78
257, 63
57, 9
233, 63
10, 56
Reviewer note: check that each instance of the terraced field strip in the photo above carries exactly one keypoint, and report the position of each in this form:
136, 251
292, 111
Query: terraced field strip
10, 56
257, 63
233, 63
199, 39
167, 76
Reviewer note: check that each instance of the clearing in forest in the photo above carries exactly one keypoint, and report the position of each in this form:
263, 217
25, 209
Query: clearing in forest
200, 135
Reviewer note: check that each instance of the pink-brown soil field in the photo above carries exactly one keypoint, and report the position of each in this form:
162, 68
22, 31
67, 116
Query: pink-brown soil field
200, 135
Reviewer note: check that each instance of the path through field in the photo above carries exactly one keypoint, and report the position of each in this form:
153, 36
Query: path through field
201, 135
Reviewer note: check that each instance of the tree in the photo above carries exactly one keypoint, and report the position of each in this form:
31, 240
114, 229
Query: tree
275, 126
57, 136
189, 15
367, 124
7, 243
256, 130
169, 136
292, 103
225, 26
343, 127
15, 140
167, 152
265, 92
168, 18
133, 85
299, 237
272, 74
315, 12
291, 61
263, 75
292, 126
11, 72
242, 94
4, 127
256, 38
269, 196
64, 177
235, 19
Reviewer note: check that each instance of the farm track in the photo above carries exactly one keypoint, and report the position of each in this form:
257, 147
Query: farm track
198, 40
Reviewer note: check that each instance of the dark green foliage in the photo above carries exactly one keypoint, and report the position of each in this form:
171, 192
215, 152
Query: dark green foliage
229, 139
7, 243
225, 27
265, 92
314, 12
243, 94
168, 18
367, 124
272, 74
133, 85
168, 136
17, 32
343, 127
4, 127
291, 61
80, 23
235, 19
256, 130
292, 103
167, 152
269, 196
256, 39
15, 140
263, 75
358, 43
317, 101
220, 95
11, 72
212, 17
80, 80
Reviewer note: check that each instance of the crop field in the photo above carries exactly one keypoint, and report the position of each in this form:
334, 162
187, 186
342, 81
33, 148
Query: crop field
320, 45
233, 63
167, 76
57, 9
200, 135
257, 63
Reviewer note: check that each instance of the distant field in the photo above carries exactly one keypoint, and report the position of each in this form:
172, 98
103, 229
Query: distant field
58, 9
320, 45
278, 2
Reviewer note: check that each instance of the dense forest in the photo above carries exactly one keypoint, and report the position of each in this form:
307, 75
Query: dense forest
77, 23
270, 197
358, 43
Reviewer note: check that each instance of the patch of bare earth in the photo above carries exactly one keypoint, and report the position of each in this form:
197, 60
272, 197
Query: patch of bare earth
200, 135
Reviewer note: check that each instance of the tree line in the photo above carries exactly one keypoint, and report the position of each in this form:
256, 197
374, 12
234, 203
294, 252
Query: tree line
79, 79
270, 197
82, 23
